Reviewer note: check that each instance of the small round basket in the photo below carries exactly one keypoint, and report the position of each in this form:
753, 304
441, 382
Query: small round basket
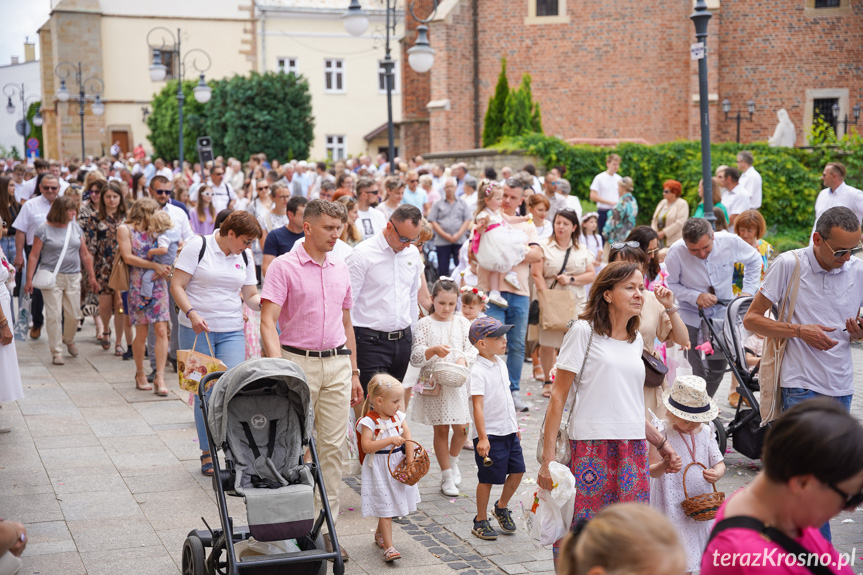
701, 507
410, 474
450, 374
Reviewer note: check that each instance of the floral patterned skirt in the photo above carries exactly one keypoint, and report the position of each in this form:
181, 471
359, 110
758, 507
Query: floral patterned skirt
607, 471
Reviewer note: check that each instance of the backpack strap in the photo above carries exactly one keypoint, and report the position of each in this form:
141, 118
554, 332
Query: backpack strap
204, 251
772, 534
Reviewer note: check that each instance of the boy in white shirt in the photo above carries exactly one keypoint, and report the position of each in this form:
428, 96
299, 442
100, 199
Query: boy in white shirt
496, 438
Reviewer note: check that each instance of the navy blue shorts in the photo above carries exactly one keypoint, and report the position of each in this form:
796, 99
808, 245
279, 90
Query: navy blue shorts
506, 456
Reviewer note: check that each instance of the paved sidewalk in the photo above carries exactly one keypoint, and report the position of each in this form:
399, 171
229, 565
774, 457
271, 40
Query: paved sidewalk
107, 480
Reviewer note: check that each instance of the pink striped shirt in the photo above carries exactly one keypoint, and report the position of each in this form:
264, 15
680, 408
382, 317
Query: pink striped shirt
312, 297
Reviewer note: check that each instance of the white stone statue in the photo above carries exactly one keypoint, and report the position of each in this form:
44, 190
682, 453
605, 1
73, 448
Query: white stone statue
785, 135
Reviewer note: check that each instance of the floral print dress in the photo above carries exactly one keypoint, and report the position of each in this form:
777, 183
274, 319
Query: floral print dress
159, 310
621, 219
102, 243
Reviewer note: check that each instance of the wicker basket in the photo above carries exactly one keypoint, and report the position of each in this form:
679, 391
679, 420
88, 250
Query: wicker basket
701, 507
410, 474
450, 374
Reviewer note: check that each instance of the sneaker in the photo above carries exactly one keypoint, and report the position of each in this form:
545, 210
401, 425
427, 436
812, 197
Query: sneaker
518, 403
58, 360
504, 519
72, 349
447, 484
483, 530
497, 299
512, 279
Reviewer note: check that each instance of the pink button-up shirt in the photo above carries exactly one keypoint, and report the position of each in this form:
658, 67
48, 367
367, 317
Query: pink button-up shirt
312, 297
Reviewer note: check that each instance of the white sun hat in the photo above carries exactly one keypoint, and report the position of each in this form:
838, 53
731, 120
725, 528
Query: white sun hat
688, 399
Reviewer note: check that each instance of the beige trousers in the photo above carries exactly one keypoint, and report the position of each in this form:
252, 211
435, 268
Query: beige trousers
63, 300
329, 381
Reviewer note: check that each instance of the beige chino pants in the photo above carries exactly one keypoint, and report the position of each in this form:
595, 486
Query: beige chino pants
329, 381
63, 300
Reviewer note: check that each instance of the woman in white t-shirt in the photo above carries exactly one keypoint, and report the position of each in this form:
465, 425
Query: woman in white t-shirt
209, 273
608, 433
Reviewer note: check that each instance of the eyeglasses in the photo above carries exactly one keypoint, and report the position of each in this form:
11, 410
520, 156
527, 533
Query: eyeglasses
839, 254
403, 239
218, 173
851, 501
207, 194
50, 188
667, 192
621, 245
263, 187
247, 243
288, 197
653, 251
162, 192
413, 181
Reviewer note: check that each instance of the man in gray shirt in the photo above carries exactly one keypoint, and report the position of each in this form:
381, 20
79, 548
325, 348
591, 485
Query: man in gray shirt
450, 218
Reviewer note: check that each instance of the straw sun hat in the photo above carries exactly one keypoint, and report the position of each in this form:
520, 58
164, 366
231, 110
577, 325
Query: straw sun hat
688, 400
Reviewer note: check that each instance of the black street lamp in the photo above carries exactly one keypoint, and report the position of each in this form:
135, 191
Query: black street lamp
13, 90
420, 56
88, 89
700, 18
158, 70
855, 112
726, 108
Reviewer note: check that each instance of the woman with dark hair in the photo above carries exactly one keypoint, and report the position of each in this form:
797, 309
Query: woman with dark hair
716, 194
204, 218
101, 231
671, 213
136, 190
812, 469
608, 433
9, 208
648, 241
566, 265
658, 320
92, 193
205, 287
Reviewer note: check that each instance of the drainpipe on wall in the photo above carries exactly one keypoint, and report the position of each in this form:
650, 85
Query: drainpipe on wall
263, 38
476, 120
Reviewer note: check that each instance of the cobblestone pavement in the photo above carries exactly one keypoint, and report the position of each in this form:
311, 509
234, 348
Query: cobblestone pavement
107, 480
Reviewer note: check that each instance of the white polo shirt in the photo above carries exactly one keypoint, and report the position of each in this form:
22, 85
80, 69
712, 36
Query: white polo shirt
32, 215
844, 195
490, 379
605, 185
751, 180
736, 201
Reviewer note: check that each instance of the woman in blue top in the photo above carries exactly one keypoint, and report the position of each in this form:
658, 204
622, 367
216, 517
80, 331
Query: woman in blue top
621, 218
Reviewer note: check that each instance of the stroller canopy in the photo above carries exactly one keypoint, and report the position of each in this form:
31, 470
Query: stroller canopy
267, 376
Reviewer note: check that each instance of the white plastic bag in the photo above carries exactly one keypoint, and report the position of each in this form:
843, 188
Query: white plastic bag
675, 359
252, 546
548, 514
351, 453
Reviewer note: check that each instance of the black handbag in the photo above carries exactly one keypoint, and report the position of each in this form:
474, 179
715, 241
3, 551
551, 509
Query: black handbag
654, 370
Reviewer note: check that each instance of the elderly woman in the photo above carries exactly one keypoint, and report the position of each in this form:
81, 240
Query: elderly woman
670, 215
101, 231
621, 218
751, 227
450, 217
134, 241
608, 435
566, 264
206, 287
812, 469
658, 320
58, 236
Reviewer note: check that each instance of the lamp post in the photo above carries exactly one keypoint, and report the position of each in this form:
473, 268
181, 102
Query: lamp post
855, 112
726, 108
158, 71
13, 90
89, 88
700, 18
420, 56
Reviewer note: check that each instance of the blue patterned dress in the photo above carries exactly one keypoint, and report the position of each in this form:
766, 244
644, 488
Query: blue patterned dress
621, 219
159, 310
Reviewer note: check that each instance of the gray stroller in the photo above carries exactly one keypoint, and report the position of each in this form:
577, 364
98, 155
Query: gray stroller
259, 415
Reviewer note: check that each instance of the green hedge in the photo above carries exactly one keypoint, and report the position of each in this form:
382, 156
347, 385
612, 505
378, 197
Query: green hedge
792, 176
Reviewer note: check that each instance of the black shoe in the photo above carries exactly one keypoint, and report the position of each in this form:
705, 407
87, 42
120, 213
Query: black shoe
151, 376
173, 363
504, 519
127, 355
483, 530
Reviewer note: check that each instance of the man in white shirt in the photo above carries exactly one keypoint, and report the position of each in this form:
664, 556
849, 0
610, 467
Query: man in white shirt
604, 191
750, 178
837, 192
385, 280
700, 272
55, 171
161, 170
735, 198
370, 221
26, 190
234, 174
438, 179
33, 213
223, 194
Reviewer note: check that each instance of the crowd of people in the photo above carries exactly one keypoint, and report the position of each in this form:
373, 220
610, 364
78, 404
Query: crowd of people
371, 278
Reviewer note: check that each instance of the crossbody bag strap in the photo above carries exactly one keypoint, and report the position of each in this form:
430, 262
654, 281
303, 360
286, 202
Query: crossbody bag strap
563, 267
771, 534
63, 251
578, 380
793, 287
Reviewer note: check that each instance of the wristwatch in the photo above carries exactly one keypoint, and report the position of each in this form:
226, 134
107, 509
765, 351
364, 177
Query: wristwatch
355, 372
571, 280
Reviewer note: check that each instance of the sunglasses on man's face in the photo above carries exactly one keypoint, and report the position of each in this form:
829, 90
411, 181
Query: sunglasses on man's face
162, 192
50, 188
839, 254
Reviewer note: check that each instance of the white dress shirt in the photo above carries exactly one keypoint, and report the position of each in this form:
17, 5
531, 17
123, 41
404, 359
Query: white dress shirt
690, 276
751, 180
844, 195
825, 298
384, 285
32, 215
25, 190
605, 185
181, 221
736, 201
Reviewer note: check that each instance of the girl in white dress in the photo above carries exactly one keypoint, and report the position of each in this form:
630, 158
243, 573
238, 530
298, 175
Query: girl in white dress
443, 336
382, 427
10, 383
688, 429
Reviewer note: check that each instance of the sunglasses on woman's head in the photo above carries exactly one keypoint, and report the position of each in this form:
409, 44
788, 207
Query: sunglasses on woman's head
621, 245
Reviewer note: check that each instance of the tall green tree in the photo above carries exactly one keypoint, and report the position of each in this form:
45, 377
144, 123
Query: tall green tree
518, 118
492, 127
164, 122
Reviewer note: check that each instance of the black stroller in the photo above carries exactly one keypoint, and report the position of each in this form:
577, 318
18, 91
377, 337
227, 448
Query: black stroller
260, 416
745, 429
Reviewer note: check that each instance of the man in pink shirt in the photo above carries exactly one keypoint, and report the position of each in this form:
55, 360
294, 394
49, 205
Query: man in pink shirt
308, 293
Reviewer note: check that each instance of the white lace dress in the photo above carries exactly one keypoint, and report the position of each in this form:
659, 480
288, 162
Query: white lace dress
451, 406
382, 495
666, 492
10, 382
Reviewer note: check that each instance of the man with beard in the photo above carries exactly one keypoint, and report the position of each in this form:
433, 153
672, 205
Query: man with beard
370, 221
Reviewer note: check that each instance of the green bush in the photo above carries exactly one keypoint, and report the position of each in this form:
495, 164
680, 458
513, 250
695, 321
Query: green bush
491, 132
791, 176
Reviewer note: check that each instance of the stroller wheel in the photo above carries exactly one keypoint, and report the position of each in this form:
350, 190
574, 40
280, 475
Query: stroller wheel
721, 436
194, 561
